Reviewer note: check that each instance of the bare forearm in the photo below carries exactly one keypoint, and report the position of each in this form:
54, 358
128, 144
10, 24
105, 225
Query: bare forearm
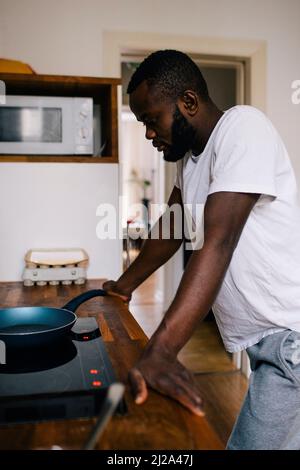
164, 240
154, 254
196, 293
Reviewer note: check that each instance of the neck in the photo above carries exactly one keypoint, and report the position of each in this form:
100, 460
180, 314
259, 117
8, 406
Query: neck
206, 122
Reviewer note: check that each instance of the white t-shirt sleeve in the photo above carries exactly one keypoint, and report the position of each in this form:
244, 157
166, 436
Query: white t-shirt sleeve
245, 157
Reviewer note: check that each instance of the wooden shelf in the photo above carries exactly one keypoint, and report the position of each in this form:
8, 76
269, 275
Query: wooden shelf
102, 90
57, 159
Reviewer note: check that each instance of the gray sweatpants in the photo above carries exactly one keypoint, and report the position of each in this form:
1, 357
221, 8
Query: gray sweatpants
270, 416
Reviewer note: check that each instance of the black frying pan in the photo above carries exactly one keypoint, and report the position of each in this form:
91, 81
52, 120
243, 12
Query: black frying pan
22, 327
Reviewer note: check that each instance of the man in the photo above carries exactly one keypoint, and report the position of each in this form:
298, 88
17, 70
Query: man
247, 266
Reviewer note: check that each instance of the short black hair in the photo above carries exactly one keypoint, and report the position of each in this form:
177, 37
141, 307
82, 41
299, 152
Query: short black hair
171, 72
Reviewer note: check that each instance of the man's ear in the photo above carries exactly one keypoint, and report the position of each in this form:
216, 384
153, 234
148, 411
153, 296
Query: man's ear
188, 103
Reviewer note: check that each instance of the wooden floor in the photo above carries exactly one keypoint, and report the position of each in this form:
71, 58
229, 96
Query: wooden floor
222, 386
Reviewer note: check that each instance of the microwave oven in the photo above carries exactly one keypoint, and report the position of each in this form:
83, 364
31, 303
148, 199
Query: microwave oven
49, 125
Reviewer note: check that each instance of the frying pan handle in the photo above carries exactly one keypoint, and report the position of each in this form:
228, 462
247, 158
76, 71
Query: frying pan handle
77, 301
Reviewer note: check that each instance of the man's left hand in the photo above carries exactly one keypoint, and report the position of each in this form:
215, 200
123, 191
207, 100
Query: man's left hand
166, 375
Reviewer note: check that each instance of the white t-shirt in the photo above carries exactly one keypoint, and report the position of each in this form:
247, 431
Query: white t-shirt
260, 293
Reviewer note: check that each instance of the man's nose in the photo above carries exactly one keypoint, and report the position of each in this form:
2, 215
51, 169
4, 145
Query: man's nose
150, 133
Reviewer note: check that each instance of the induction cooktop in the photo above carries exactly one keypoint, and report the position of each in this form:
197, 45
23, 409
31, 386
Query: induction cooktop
65, 381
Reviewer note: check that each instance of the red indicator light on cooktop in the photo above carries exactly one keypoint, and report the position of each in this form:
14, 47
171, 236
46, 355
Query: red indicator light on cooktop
86, 337
94, 371
97, 383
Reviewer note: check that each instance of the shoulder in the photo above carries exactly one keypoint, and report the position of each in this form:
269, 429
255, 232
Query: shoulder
243, 123
240, 115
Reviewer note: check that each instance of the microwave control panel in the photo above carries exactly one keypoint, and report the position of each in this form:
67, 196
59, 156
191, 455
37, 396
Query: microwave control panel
84, 126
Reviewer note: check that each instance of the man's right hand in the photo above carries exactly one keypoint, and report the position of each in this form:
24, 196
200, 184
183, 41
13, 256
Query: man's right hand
112, 288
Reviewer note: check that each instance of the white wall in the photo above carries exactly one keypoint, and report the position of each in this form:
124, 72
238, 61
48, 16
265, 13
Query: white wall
66, 37
51, 206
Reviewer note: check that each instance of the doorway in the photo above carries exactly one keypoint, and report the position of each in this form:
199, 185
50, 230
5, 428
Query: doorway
145, 176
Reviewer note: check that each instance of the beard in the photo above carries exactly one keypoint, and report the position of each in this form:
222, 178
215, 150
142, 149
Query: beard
183, 136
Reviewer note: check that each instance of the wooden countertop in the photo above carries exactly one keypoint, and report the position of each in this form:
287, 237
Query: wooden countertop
160, 423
